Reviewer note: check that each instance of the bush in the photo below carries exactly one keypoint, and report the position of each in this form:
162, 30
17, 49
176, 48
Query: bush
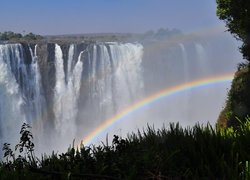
167, 153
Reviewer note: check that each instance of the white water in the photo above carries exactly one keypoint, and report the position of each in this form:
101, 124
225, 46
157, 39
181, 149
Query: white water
128, 77
37, 101
11, 115
184, 62
70, 59
93, 84
202, 61
65, 98
112, 82
115, 81
20, 94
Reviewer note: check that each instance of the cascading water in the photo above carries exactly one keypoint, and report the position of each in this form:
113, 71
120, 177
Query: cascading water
11, 116
202, 61
185, 62
90, 84
66, 96
114, 81
64, 91
21, 99
186, 98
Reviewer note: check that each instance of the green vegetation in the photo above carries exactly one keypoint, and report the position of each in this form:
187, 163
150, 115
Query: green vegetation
236, 15
11, 36
190, 153
238, 101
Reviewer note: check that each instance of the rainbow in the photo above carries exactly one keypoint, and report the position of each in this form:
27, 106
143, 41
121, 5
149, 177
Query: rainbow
200, 83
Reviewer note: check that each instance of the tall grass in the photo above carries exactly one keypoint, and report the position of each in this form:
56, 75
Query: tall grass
200, 152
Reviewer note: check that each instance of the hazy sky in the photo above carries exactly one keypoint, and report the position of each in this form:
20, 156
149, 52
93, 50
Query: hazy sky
92, 16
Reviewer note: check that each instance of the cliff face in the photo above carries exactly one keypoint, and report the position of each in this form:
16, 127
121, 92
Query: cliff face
46, 60
61, 88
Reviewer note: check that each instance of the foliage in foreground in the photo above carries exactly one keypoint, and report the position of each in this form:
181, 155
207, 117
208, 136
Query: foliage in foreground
178, 153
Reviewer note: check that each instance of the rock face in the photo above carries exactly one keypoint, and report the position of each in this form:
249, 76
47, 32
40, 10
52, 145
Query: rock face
46, 58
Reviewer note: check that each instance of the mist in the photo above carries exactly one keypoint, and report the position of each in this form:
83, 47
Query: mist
168, 61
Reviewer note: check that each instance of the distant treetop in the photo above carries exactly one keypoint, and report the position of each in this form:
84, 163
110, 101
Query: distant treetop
162, 33
9, 35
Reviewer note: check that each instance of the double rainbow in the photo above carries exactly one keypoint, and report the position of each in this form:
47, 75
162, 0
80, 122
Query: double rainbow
200, 83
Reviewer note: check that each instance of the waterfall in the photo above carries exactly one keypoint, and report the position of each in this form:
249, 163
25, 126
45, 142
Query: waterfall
37, 102
64, 91
21, 92
66, 95
115, 79
60, 87
91, 84
104, 79
186, 97
70, 59
11, 101
185, 62
202, 61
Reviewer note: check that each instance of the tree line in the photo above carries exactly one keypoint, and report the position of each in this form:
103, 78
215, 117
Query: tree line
9, 35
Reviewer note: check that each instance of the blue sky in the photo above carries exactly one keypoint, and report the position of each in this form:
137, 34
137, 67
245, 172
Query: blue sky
95, 16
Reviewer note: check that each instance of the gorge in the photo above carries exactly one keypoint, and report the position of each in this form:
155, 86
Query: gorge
65, 90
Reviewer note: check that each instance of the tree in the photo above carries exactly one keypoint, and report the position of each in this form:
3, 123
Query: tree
30, 36
9, 35
236, 15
